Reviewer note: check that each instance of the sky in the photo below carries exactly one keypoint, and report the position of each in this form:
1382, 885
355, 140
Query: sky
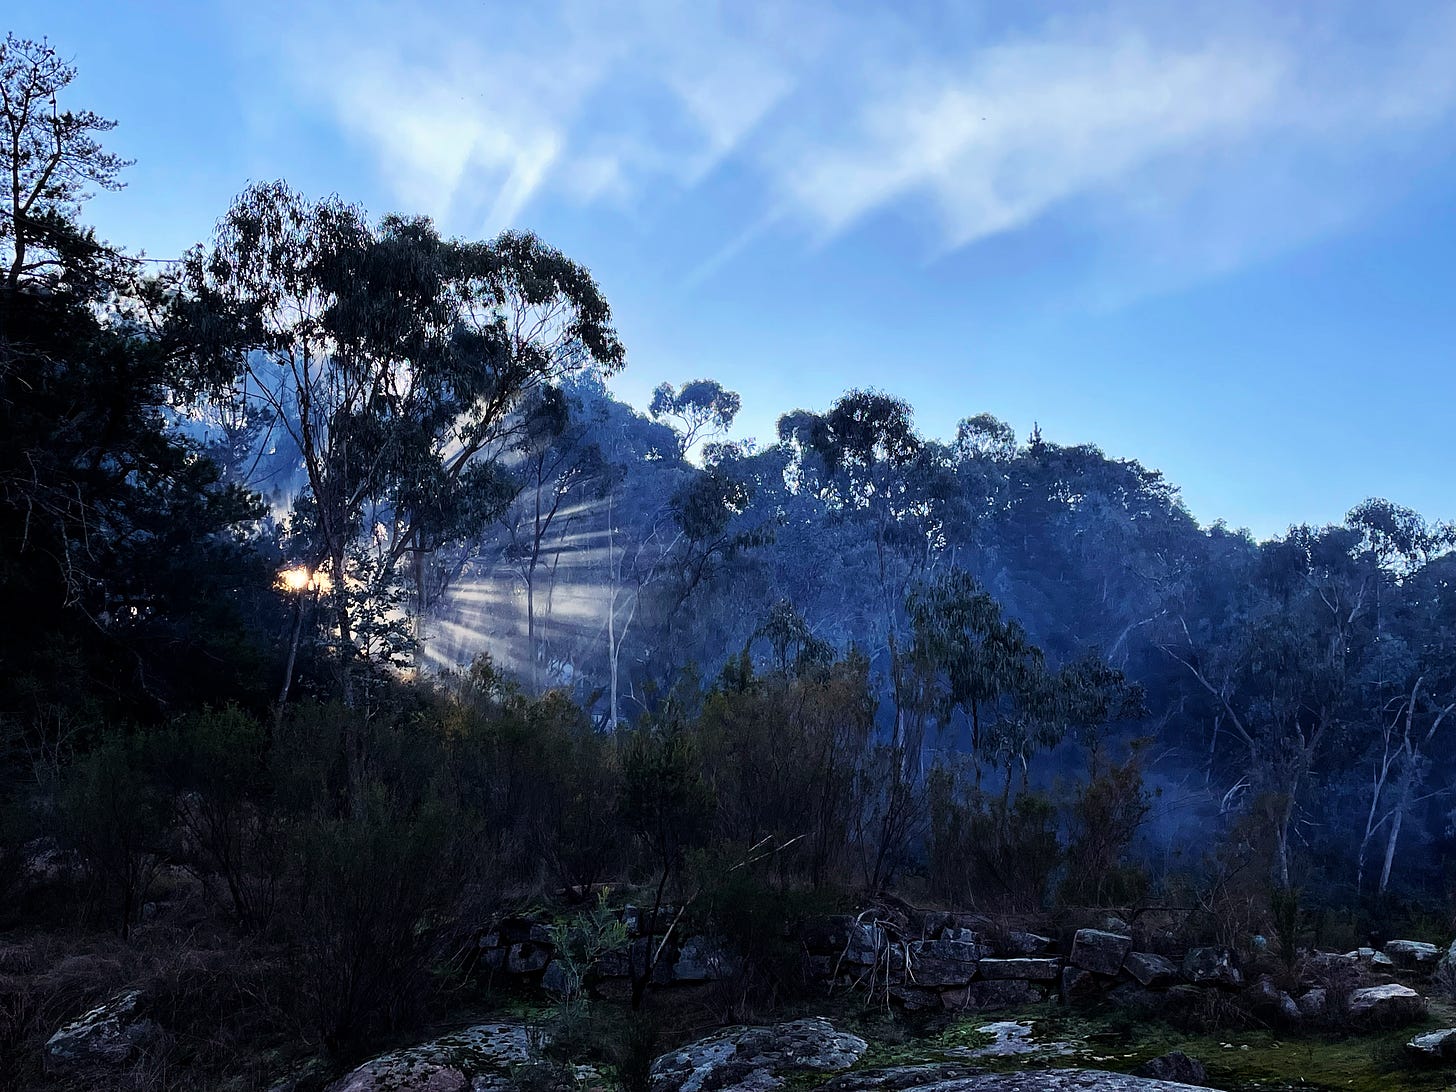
1214, 237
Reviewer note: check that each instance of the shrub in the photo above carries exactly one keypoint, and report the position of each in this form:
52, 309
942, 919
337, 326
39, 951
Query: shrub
115, 817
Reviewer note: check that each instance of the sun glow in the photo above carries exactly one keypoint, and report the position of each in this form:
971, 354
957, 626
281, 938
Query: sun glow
301, 579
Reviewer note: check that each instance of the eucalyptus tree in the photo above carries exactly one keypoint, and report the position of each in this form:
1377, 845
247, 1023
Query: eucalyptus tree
394, 359
1279, 666
703, 409
969, 657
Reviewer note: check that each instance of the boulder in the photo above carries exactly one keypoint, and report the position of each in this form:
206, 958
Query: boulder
705, 959
636, 919
934, 1079
1386, 1006
1029, 944
1098, 951
557, 980
1437, 1046
1129, 995
1174, 1066
1446, 965
621, 962
1382, 961
1271, 1004
986, 996
1313, 1004
1212, 967
1078, 985
944, 962
109, 1034
966, 936
843, 937
1413, 955
901, 1078
915, 999
1150, 969
1027, 969
527, 958
451, 1063
756, 1059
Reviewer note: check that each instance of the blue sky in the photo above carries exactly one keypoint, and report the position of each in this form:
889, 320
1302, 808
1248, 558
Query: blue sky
1215, 237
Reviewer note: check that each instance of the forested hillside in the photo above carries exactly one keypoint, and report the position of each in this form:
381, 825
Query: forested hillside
346, 607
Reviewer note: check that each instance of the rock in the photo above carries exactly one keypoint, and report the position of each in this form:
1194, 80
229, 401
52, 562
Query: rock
944, 962
557, 980
388, 1076
1009, 1039
1030, 970
451, 1063
1446, 965
931, 1079
704, 959
621, 962
1078, 985
966, 936
636, 919
1029, 944
1212, 967
1130, 995
1381, 960
1174, 1066
1386, 1006
756, 1059
1413, 955
915, 999
1435, 1045
1114, 924
1313, 1004
109, 1034
1150, 969
900, 1078
1098, 951
527, 958
841, 936
984, 996
1270, 1003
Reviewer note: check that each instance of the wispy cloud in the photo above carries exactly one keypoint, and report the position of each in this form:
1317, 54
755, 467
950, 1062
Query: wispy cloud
1156, 123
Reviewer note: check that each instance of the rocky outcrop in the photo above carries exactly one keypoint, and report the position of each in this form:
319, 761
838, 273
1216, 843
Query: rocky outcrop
450, 1063
1099, 951
1386, 1006
756, 1059
109, 1034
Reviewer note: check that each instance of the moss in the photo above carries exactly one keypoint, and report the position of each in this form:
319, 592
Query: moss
1237, 1061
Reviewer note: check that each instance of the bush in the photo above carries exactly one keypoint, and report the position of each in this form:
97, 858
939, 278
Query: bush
115, 817
377, 903
231, 837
